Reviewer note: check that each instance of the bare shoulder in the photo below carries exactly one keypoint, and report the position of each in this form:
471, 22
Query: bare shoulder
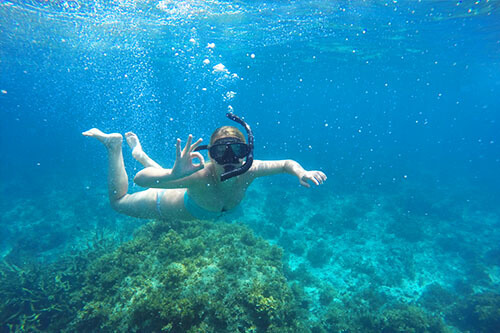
204, 175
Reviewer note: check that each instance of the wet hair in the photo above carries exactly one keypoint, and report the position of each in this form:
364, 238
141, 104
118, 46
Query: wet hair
227, 132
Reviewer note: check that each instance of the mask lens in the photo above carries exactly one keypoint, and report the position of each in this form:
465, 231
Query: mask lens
239, 149
218, 150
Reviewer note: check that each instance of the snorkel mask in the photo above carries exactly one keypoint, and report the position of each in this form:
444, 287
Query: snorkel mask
229, 151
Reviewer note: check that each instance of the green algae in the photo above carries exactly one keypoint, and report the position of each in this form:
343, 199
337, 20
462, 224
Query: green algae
189, 276
172, 277
40, 296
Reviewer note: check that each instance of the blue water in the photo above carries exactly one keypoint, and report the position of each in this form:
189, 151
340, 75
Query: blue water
396, 101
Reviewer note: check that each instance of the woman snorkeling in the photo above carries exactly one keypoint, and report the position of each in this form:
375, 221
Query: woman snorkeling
192, 190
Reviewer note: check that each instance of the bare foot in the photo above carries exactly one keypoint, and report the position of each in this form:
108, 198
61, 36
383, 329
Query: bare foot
134, 144
111, 140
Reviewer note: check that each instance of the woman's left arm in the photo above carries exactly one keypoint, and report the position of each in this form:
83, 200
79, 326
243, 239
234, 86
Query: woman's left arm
268, 168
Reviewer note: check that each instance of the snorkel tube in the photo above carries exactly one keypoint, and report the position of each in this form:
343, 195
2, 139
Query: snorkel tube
249, 159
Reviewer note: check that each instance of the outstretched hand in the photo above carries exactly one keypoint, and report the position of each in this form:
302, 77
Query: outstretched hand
184, 165
315, 177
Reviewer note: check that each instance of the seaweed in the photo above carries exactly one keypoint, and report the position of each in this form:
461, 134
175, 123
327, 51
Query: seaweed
40, 296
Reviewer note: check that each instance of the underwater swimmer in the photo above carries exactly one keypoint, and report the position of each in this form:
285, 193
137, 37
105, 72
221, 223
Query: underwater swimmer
192, 190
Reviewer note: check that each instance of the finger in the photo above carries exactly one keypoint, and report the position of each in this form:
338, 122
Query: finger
202, 159
314, 180
188, 144
178, 148
305, 184
195, 145
318, 179
198, 156
323, 176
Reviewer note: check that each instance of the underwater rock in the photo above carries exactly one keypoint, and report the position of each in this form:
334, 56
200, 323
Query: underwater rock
290, 243
319, 254
436, 298
407, 227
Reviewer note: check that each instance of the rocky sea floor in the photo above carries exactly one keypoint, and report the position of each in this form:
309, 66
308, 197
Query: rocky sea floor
296, 261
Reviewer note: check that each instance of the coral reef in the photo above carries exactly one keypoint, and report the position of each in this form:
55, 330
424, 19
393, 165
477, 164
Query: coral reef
476, 313
179, 277
189, 277
393, 319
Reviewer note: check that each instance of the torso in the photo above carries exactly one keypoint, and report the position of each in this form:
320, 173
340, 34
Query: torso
219, 196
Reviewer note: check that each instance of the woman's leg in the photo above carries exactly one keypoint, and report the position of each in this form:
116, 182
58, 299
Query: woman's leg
144, 204
138, 153
140, 204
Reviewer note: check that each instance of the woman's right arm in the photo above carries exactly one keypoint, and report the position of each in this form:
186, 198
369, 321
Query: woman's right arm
182, 175
163, 178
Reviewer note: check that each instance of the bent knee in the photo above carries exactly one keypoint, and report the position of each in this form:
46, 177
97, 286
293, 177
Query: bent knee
118, 204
